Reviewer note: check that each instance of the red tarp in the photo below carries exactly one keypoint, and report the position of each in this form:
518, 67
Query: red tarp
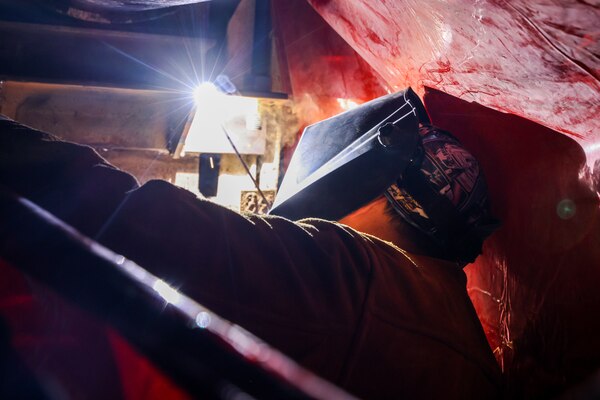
537, 59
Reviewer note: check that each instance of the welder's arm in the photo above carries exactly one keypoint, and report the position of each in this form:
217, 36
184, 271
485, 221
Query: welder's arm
299, 287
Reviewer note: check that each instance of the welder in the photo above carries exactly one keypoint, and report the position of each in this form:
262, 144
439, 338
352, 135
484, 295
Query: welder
375, 303
380, 310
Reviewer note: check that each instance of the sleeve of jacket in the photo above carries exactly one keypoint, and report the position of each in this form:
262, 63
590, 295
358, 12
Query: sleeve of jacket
299, 286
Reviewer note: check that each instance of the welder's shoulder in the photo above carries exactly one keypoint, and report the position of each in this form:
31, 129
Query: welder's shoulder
159, 196
161, 188
337, 243
325, 239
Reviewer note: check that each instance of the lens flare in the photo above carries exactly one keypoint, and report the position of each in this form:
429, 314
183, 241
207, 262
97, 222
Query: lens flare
165, 291
206, 93
566, 209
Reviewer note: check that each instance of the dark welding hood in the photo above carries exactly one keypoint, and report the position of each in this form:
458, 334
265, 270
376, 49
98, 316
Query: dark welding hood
346, 161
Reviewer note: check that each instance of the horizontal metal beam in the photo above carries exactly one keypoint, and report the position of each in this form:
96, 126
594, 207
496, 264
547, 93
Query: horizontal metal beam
100, 57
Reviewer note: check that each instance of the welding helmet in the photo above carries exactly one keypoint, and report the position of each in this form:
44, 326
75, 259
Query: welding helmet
443, 194
388, 146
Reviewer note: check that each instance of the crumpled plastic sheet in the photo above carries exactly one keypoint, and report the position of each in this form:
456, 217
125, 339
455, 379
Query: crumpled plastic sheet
537, 59
535, 286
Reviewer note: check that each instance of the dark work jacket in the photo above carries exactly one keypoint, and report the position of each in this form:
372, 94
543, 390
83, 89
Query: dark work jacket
371, 318
358, 311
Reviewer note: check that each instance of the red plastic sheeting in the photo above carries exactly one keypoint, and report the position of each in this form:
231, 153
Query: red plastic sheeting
323, 68
537, 59
56, 340
324, 71
70, 352
535, 286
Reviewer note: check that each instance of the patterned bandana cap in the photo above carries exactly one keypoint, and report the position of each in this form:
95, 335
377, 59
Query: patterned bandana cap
445, 196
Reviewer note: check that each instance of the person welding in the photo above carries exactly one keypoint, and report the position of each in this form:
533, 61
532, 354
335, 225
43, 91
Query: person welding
375, 303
